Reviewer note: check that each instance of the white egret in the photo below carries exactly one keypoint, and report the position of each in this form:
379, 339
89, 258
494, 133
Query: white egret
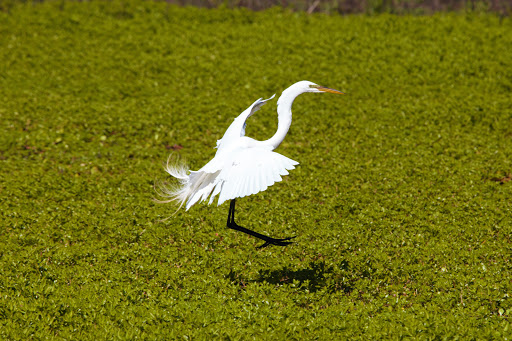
242, 166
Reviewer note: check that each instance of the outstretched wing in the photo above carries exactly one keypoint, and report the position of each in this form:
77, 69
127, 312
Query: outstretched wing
237, 128
250, 171
247, 171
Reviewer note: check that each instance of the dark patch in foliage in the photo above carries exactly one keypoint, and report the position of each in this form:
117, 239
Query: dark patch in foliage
311, 278
173, 147
317, 276
503, 179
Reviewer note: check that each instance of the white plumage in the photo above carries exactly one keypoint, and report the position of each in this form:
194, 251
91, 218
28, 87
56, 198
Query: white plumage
242, 166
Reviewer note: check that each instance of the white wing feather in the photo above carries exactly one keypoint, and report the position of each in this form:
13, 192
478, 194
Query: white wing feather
249, 172
237, 128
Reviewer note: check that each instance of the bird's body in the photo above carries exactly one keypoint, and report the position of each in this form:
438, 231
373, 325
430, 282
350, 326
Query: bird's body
242, 166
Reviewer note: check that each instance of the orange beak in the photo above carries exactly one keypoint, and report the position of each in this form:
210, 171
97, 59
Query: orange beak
324, 89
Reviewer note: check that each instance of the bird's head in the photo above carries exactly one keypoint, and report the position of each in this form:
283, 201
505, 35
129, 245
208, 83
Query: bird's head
301, 87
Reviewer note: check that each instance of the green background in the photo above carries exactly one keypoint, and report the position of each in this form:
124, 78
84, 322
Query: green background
400, 204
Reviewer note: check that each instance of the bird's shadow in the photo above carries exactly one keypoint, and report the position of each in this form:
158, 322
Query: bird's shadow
314, 277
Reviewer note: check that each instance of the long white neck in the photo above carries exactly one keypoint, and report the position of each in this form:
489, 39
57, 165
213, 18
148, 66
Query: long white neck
284, 115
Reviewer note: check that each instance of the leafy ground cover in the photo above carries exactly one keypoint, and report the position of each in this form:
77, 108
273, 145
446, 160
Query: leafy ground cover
401, 203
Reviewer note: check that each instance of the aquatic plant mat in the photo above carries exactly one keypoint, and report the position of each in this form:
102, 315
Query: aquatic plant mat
401, 203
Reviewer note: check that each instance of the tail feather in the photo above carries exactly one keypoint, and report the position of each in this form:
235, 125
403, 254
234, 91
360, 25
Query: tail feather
175, 192
190, 188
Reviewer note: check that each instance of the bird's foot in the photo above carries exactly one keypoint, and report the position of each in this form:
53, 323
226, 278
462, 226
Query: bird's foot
268, 240
274, 241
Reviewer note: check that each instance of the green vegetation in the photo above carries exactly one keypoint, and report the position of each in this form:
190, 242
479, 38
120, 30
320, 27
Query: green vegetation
401, 204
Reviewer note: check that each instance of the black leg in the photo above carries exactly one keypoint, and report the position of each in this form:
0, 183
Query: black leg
268, 240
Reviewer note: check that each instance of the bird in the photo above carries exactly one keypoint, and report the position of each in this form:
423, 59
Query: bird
242, 166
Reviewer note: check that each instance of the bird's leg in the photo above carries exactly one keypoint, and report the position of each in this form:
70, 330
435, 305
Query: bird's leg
268, 240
